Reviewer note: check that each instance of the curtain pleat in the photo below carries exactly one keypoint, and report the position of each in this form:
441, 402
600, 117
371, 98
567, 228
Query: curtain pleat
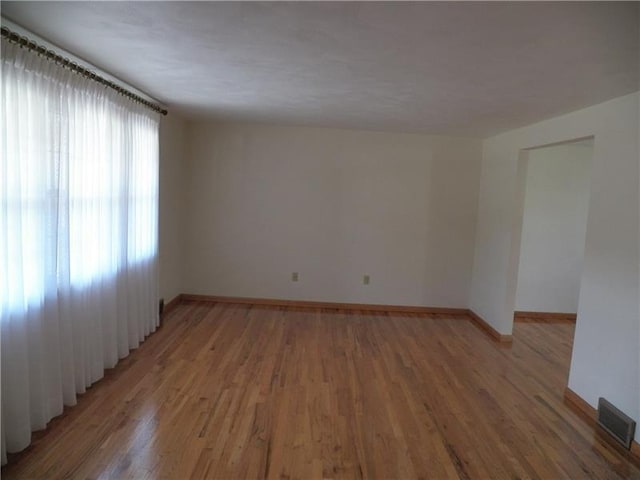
78, 237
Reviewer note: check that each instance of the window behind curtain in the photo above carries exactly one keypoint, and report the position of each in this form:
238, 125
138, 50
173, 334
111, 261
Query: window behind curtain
79, 179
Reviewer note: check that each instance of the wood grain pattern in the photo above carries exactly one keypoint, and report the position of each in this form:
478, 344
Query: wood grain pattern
246, 391
172, 305
578, 403
548, 316
361, 307
590, 415
484, 325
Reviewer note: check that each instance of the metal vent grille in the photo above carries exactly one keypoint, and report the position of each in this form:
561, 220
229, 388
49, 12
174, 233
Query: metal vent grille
619, 425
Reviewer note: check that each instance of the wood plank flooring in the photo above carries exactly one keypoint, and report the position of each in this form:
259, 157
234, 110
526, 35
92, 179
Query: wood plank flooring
241, 391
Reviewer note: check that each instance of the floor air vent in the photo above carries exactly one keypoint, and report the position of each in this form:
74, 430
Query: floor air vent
620, 426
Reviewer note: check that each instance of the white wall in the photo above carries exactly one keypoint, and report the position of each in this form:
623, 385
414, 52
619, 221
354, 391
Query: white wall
171, 205
333, 205
605, 354
554, 225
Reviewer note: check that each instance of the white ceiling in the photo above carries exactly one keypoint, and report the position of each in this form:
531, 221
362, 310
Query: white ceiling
453, 68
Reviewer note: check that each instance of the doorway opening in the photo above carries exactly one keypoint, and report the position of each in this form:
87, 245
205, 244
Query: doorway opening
557, 181
550, 230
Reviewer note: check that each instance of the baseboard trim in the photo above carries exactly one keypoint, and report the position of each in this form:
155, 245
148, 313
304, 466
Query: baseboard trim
488, 329
590, 415
188, 297
172, 305
581, 406
363, 307
544, 316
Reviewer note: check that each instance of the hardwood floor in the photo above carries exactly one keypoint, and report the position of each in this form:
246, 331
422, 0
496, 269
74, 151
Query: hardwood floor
241, 391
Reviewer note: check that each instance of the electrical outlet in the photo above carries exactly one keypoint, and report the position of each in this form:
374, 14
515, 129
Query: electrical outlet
294, 277
365, 280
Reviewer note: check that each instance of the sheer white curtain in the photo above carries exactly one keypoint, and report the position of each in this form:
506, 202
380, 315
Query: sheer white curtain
78, 236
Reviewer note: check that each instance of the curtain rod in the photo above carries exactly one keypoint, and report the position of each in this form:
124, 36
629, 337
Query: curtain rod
23, 41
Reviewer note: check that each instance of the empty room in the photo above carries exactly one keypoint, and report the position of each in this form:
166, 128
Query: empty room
383, 240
